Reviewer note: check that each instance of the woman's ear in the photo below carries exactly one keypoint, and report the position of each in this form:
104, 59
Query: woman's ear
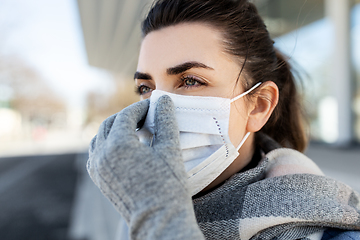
264, 102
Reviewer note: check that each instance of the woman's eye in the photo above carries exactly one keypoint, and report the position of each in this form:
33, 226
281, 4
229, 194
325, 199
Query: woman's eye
143, 89
191, 82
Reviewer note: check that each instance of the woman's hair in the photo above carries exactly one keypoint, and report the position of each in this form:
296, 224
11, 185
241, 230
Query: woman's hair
245, 37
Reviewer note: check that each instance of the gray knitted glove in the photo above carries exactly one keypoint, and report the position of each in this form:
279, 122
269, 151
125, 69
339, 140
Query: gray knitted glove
147, 185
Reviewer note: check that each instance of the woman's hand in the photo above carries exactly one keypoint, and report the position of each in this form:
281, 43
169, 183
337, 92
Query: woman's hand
147, 185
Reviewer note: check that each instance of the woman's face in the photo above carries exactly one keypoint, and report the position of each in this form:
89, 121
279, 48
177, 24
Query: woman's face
189, 59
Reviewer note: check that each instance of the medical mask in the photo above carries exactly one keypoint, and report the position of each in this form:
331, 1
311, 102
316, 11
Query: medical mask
205, 145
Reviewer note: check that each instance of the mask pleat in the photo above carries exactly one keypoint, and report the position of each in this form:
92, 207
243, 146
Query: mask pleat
203, 123
199, 152
195, 156
192, 140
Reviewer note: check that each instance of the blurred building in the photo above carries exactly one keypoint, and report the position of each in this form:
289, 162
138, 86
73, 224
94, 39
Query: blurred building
321, 38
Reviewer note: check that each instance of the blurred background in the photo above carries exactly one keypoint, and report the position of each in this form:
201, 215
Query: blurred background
66, 65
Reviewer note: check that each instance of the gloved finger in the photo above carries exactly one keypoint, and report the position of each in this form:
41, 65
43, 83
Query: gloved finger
126, 121
102, 133
105, 128
166, 129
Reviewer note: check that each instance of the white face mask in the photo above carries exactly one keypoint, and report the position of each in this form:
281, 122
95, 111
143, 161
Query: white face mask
204, 139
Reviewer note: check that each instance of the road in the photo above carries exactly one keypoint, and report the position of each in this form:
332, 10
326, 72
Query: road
36, 195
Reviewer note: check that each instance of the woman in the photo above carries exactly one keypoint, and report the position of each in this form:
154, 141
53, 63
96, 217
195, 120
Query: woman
217, 155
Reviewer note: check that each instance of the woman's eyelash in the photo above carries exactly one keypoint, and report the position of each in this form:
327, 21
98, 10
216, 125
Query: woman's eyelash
191, 81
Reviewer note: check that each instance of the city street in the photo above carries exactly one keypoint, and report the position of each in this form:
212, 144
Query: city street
36, 195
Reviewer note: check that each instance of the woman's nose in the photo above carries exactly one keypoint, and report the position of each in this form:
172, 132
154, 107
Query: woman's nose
166, 87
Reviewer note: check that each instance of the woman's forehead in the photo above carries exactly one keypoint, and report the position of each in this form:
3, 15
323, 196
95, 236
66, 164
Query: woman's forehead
181, 43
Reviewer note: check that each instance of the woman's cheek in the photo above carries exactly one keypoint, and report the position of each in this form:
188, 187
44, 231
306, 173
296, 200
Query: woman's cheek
237, 123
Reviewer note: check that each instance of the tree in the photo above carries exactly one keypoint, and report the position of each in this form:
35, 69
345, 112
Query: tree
31, 97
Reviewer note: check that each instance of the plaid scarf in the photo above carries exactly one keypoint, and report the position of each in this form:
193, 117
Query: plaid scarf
285, 197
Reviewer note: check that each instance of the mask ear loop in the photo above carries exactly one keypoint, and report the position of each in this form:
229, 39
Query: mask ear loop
243, 141
236, 98
244, 93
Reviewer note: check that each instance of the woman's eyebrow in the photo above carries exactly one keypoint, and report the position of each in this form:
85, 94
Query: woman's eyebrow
186, 66
142, 76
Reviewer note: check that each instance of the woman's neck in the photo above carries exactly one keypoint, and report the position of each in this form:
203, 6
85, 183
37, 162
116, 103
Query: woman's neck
246, 153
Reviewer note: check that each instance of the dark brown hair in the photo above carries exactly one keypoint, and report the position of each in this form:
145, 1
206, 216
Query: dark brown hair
245, 37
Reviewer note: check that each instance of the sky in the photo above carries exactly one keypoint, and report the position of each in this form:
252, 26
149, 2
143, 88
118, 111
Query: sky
47, 35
